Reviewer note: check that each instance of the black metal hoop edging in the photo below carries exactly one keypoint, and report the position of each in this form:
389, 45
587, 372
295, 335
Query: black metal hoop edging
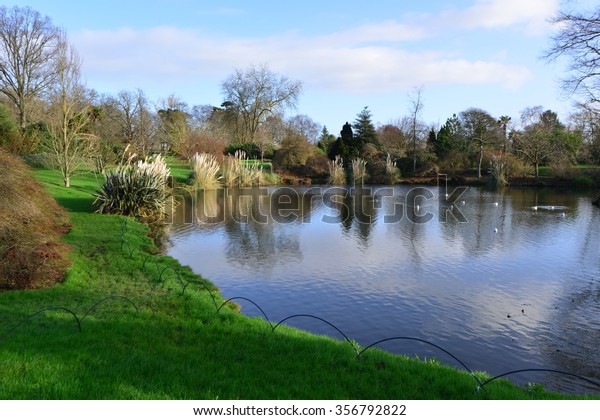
252, 302
205, 287
146, 258
425, 342
51, 308
322, 320
560, 372
137, 309
160, 277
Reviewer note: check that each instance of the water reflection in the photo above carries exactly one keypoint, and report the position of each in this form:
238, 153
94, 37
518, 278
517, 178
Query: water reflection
501, 285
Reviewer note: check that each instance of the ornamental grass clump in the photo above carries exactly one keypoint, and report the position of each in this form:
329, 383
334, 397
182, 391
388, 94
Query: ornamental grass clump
140, 190
359, 170
498, 171
337, 175
205, 171
238, 173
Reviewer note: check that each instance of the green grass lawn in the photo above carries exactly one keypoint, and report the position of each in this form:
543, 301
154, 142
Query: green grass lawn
546, 171
178, 346
181, 170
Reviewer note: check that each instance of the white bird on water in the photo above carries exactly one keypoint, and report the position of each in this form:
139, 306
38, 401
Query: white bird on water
495, 230
534, 208
496, 204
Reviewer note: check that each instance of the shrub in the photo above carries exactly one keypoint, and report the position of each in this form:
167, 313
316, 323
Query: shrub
202, 141
140, 190
30, 225
583, 182
205, 171
517, 167
562, 168
250, 150
317, 166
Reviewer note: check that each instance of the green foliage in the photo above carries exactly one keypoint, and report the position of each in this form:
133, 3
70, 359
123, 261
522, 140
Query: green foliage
325, 141
364, 130
294, 151
448, 138
138, 190
11, 138
251, 150
584, 182
345, 146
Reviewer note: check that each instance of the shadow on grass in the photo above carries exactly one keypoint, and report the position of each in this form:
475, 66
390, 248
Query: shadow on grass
82, 205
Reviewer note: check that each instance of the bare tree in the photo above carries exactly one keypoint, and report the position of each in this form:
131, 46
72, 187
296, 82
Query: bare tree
256, 93
396, 137
135, 120
69, 115
416, 106
30, 54
578, 39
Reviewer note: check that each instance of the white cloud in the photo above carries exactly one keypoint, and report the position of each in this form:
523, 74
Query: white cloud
532, 15
369, 59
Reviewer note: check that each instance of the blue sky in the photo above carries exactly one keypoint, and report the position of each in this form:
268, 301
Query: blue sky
348, 54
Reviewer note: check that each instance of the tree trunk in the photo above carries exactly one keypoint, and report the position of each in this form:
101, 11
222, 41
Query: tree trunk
480, 161
67, 180
537, 169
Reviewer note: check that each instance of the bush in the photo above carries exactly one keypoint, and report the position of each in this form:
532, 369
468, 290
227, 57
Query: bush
454, 162
383, 171
30, 225
583, 182
517, 167
202, 141
294, 152
562, 168
139, 190
316, 166
251, 150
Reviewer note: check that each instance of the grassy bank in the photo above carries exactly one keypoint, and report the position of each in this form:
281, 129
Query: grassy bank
160, 344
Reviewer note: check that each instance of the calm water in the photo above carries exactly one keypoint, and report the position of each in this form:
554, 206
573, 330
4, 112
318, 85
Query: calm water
492, 280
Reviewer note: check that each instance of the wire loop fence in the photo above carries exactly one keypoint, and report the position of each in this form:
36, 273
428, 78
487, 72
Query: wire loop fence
161, 279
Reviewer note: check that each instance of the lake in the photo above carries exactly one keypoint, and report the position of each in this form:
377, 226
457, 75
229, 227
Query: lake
504, 280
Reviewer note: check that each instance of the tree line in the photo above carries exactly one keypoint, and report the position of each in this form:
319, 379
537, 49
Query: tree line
46, 109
